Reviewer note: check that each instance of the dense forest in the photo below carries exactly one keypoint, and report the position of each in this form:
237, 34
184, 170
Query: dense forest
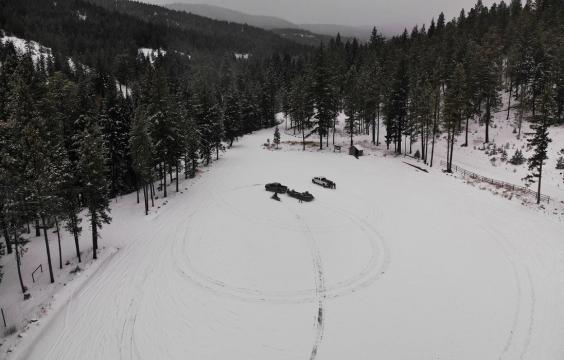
75, 134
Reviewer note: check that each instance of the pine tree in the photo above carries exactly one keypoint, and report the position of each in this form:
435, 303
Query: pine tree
351, 100
141, 152
301, 106
323, 93
489, 78
396, 106
276, 139
518, 158
540, 139
232, 117
453, 110
92, 173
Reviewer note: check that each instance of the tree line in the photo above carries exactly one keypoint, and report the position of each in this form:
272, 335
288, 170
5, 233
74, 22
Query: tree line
73, 137
434, 82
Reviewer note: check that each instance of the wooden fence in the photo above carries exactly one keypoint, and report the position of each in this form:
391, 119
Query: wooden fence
498, 183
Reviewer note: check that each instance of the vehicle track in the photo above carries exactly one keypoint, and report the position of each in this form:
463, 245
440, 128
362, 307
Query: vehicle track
320, 291
524, 286
376, 267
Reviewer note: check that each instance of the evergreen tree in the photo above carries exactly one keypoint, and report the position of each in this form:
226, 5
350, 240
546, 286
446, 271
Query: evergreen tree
232, 117
453, 110
396, 106
518, 158
276, 139
141, 152
301, 106
323, 93
92, 173
351, 100
489, 78
540, 139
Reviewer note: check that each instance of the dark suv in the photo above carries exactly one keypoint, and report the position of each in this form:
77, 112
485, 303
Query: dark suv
276, 187
305, 196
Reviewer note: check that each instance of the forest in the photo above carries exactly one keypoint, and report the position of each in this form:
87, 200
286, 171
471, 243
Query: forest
74, 135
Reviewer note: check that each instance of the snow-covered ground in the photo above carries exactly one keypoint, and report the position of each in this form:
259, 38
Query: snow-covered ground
395, 263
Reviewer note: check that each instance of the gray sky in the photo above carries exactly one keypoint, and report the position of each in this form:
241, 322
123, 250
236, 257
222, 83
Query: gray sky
346, 12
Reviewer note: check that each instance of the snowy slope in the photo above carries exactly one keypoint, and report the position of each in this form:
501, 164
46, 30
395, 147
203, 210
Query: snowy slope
364, 271
24, 46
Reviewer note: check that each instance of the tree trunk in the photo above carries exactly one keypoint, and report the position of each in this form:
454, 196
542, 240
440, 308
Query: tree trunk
451, 151
334, 126
74, 223
303, 137
51, 277
435, 120
488, 115
19, 261
432, 144
539, 187
521, 111
378, 126
510, 94
152, 194
59, 242
466, 132
374, 131
37, 228
164, 179
448, 151
146, 198
94, 225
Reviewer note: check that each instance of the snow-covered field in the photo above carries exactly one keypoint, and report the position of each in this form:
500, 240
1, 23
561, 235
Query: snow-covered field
395, 264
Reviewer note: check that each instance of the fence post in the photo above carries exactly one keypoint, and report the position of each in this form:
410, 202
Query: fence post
3, 317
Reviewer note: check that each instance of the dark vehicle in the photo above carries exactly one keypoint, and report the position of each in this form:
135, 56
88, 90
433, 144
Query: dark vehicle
276, 188
324, 182
305, 196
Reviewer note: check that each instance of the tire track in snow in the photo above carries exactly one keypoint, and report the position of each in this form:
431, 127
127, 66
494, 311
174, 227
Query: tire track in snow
510, 253
320, 291
376, 267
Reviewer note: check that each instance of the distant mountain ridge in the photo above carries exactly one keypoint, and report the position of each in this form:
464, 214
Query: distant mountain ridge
224, 14
271, 22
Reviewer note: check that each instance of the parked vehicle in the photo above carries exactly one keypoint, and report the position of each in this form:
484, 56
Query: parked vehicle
302, 196
326, 183
276, 188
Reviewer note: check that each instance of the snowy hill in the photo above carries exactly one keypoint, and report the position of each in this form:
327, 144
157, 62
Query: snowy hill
26, 46
223, 271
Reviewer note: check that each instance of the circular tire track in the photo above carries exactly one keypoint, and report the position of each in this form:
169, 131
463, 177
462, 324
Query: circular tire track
376, 267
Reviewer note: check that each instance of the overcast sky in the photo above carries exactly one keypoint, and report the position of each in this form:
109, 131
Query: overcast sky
346, 12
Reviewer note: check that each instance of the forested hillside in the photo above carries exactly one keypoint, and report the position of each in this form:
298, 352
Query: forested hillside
94, 118
95, 35
437, 80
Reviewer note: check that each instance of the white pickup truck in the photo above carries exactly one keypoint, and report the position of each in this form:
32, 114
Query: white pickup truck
324, 182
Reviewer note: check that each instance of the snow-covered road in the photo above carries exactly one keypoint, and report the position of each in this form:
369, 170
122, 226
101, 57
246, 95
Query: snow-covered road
394, 264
